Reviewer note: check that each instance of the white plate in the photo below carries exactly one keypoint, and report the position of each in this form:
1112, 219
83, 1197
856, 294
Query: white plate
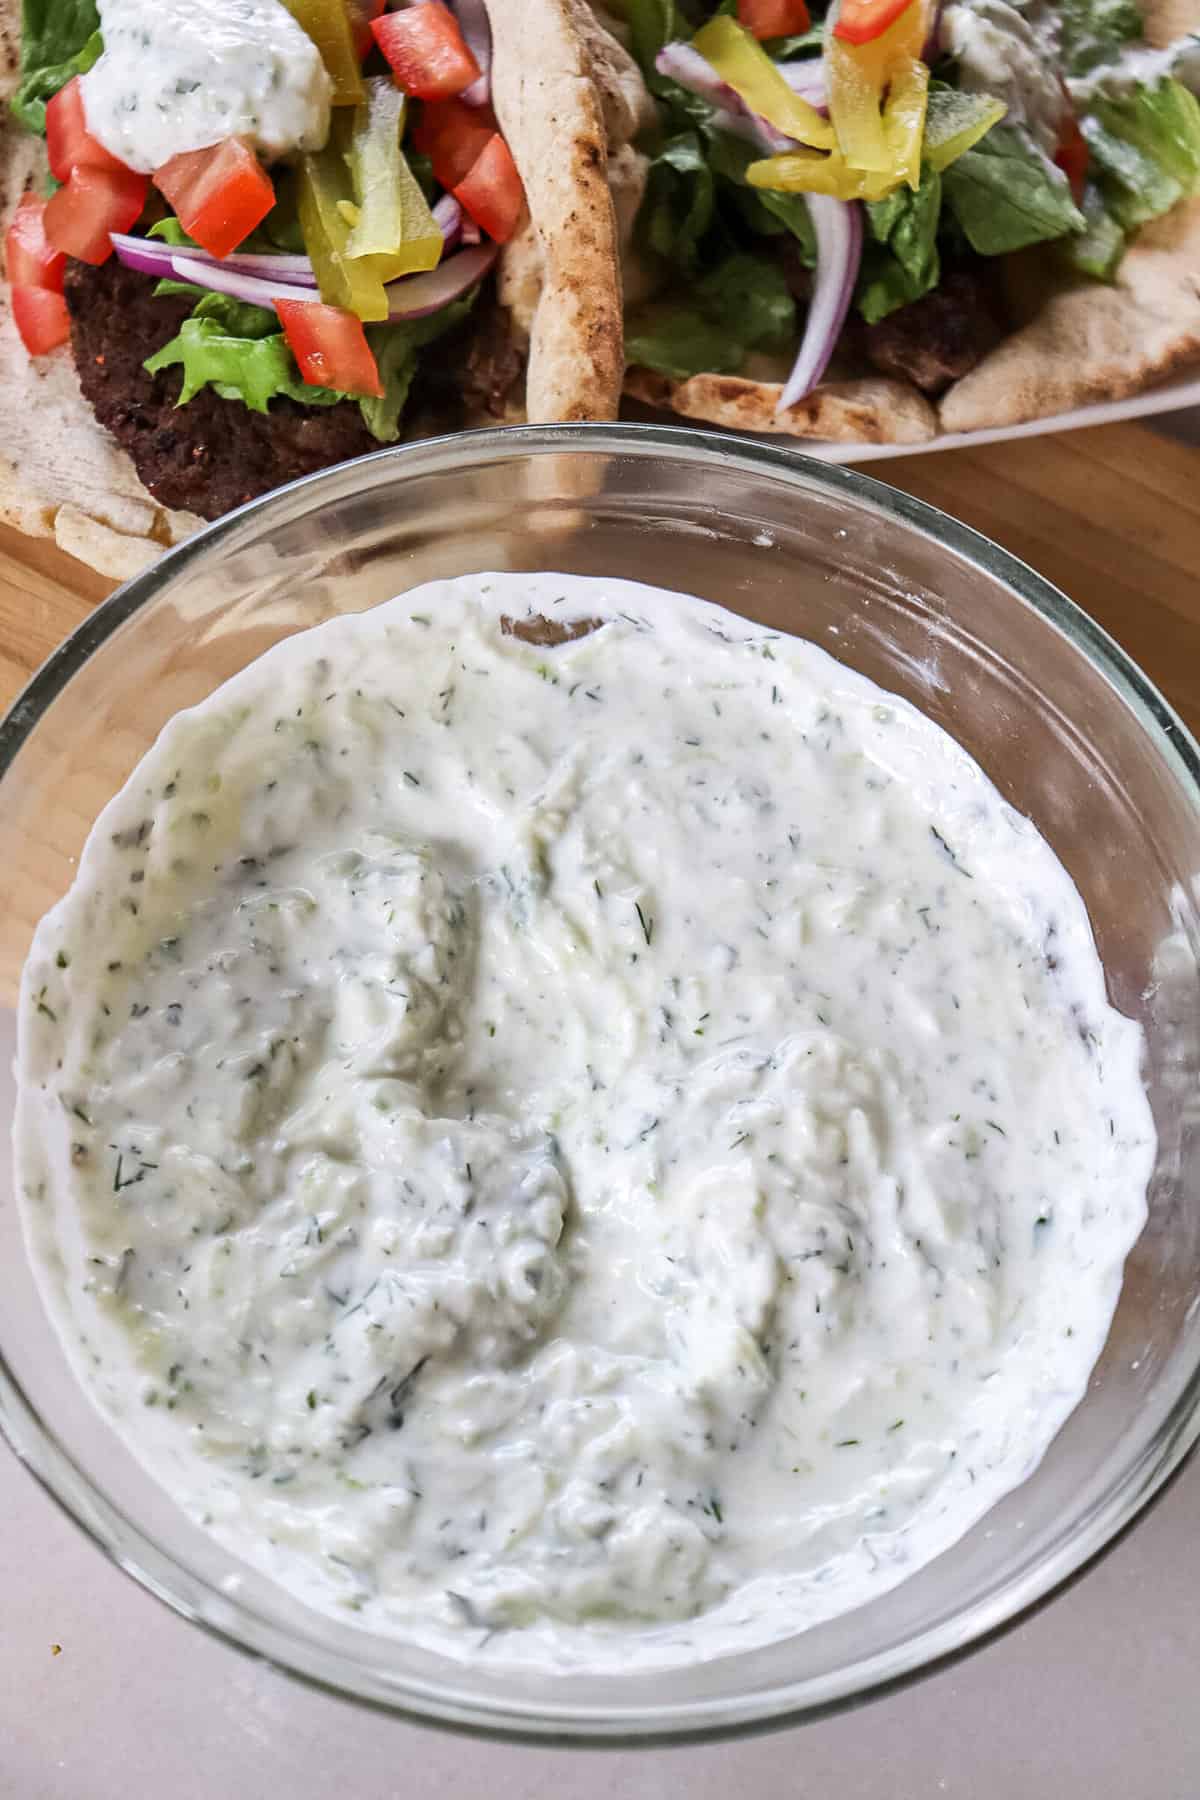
1172, 396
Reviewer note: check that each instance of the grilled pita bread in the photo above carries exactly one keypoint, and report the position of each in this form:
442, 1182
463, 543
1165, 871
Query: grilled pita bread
872, 409
63, 477
566, 95
1085, 341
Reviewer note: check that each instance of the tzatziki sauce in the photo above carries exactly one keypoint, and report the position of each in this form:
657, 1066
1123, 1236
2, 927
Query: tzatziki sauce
1012, 54
598, 1152
175, 76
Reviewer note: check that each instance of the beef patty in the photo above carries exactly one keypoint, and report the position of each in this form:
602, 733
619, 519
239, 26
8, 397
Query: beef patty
212, 454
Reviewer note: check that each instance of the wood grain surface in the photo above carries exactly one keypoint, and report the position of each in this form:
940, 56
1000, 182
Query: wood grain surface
1112, 515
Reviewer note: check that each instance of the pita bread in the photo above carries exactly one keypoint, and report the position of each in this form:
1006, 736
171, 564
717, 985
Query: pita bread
63, 477
1089, 341
561, 278
870, 410
1163, 21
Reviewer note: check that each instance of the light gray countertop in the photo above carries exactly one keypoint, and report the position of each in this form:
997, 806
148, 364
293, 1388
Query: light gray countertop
1096, 1697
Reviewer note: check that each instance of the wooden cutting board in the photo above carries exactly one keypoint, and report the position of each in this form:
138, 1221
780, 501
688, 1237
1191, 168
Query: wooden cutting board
1112, 515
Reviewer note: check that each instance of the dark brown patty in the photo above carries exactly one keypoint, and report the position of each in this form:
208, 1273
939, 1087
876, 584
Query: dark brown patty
938, 339
212, 454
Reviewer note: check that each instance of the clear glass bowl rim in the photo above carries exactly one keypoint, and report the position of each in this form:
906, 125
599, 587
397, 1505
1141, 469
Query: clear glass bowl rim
50, 1461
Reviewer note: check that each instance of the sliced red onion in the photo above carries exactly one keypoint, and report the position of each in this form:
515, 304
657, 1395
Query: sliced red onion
416, 296
685, 65
221, 279
738, 124
471, 233
286, 266
153, 258
838, 227
477, 35
448, 216
929, 52
146, 255
806, 77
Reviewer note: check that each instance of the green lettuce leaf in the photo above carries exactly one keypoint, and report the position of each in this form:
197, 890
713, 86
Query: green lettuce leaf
237, 318
1145, 149
955, 121
766, 213
678, 207
169, 289
59, 39
678, 341
1005, 196
253, 370
1096, 252
750, 297
743, 304
238, 349
652, 23
1092, 32
397, 352
900, 258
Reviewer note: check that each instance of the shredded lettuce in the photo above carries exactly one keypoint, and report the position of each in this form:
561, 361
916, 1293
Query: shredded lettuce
59, 39
240, 352
678, 207
767, 212
1096, 252
743, 304
652, 23
1145, 150
955, 121
900, 258
1004, 195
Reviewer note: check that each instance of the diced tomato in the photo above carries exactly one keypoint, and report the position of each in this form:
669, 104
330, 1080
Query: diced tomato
491, 191
425, 47
330, 346
773, 18
69, 143
29, 260
93, 202
860, 21
41, 318
220, 194
362, 14
1072, 153
453, 136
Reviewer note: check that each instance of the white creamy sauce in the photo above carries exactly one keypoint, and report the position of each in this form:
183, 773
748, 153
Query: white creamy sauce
175, 76
624, 1140
1140, 66
1012, 55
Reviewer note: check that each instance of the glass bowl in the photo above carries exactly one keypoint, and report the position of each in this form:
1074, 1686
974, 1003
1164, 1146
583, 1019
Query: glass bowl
1071, 732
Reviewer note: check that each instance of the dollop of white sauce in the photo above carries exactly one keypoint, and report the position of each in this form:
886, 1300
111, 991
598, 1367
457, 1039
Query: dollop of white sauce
177, 76
1012, 55
1140, 66
589, 1154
